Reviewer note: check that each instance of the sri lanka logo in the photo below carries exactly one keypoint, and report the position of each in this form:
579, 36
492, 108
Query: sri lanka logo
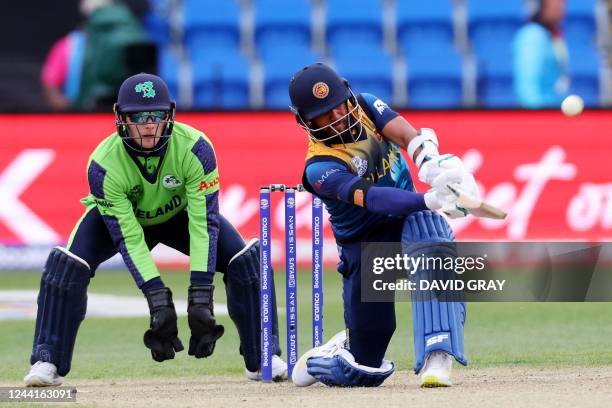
170, 181
320, 90
146, 88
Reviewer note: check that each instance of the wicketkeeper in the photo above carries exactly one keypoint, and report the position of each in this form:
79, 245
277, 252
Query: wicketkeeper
153, 181
354, 165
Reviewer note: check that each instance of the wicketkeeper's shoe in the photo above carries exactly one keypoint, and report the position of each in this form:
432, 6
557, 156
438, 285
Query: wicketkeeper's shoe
300, 376
279, 371
43, 375
437, 370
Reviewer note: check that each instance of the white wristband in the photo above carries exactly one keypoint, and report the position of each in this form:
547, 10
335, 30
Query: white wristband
431, 201
428, 141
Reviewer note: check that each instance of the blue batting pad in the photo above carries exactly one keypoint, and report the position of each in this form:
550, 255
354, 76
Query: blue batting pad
437, 324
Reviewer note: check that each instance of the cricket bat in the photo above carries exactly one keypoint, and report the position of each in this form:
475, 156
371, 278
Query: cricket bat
476, 206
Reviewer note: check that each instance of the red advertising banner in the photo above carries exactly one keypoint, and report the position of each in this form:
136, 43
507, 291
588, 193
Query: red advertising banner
547, 171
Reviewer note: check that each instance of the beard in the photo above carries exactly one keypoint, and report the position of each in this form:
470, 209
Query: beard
330, 136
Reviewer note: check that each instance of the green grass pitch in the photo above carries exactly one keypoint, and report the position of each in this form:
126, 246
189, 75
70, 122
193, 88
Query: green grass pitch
497, 334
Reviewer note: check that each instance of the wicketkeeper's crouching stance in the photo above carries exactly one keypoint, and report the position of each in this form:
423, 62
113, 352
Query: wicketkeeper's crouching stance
153, 181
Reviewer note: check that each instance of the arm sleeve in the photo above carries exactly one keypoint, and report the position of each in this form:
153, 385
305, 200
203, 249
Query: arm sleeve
125, 230
394, 201
202, 188
377, 110
528, 66
331, 179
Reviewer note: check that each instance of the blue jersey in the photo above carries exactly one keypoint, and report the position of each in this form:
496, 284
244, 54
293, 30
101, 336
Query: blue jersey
373, 157
540, 67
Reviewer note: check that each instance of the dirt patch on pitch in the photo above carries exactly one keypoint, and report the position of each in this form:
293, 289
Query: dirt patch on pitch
499, 387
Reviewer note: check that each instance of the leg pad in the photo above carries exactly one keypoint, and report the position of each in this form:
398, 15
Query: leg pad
62, 303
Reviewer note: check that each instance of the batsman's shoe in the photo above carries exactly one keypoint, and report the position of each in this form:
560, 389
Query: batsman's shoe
437, 370
279, 371
300, 376
43, 375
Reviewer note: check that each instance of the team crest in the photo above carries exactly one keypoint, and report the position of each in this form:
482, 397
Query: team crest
320, 90
170, 181
146, 88
360, 164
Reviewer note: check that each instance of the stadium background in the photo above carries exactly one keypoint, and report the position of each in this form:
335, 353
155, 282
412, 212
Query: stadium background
443, 54
548, 171
543, 168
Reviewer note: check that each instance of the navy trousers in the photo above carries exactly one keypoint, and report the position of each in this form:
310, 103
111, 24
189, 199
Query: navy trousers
370, 325
92, 241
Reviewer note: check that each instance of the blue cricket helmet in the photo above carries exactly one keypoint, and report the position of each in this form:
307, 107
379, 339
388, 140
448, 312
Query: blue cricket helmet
144, 93
316, 89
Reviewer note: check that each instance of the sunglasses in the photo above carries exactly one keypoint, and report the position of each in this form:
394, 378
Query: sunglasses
143, 117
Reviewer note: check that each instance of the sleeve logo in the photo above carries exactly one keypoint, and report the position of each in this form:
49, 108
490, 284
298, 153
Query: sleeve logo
324, 177
103, 203
380, 106
205, 185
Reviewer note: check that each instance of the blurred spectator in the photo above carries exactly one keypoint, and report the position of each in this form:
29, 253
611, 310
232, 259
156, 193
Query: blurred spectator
61, 72
541, 58
84, 69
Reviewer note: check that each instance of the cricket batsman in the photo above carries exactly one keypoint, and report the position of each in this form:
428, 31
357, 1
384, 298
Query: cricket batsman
153, 181
354, 165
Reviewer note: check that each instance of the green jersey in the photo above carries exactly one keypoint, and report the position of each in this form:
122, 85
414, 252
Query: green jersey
132, 191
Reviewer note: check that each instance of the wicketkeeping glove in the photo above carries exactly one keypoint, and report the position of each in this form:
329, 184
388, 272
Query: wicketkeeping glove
162, 337
204, 329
